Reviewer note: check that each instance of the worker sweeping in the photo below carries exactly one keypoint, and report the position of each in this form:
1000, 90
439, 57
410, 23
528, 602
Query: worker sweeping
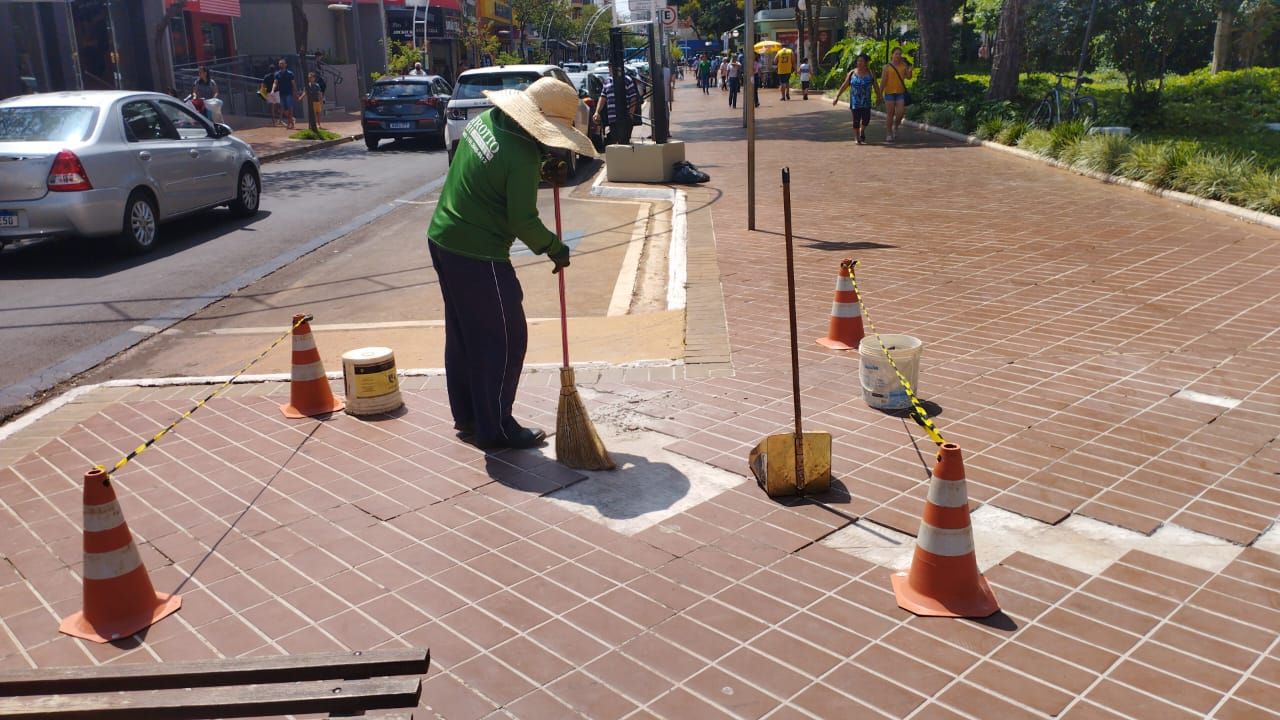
490, 199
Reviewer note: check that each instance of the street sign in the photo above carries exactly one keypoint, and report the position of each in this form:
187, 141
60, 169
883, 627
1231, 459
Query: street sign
668, 15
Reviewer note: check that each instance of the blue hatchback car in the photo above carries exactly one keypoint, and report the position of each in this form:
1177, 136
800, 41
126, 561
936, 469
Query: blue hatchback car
404, 107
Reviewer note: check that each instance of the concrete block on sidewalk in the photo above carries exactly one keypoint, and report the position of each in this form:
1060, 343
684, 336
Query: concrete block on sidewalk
642, 163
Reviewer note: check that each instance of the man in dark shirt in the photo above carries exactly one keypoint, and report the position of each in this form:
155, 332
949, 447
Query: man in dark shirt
284, 86
607, 113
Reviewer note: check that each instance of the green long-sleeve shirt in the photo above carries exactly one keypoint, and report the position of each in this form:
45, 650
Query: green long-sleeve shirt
490, 196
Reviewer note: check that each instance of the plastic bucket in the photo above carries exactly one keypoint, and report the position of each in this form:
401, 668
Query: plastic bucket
880, 386
369, 378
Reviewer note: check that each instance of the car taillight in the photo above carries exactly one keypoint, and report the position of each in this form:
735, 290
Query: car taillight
457, 113
370, 103
430, 101
67, 174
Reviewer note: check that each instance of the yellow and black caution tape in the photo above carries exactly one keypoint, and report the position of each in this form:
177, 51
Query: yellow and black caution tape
142, 448
918, 413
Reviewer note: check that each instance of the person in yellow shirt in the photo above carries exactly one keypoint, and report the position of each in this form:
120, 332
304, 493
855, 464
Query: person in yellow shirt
893, 83
786, 61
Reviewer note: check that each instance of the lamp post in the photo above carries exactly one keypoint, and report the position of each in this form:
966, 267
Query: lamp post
355, 23
749, 107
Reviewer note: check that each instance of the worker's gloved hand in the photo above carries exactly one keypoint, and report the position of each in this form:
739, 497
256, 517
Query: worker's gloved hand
555, 171
561, 259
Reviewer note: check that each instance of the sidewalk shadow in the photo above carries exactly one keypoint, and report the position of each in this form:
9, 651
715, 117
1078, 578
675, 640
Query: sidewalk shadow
820, 244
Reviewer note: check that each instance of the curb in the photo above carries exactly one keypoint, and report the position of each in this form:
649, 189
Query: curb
293, 152
1256, 217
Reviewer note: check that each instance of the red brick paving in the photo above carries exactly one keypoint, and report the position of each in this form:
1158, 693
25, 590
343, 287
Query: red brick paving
1059, 316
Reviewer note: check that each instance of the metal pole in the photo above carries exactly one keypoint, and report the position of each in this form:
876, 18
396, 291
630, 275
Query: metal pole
749, 110
355, 23
791, 315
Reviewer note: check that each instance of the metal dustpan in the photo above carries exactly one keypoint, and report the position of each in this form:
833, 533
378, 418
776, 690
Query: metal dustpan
794, 463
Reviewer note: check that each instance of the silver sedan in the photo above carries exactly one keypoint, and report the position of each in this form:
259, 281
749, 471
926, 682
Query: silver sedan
115, 164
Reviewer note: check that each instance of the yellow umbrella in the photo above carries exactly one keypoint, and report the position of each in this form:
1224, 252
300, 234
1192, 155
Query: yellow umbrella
767, 46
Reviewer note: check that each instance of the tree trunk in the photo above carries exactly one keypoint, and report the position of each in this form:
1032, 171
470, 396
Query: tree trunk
1007, 55
300, 42
934, 18
813, 11
1222, 35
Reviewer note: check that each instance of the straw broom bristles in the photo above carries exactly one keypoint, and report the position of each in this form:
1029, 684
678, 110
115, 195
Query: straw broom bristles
577, 444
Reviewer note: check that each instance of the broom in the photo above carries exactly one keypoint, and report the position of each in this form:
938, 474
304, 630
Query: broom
577, 444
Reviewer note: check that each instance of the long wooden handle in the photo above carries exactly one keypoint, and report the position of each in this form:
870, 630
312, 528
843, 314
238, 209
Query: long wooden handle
791, 311
564, 315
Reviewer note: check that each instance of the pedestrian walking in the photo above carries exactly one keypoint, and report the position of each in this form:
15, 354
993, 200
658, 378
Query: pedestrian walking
490, 198
268, 92
755, 80
205, 88
785, 63
735, 81
417, 70
893, 81
704, 74
607, 112
283, 86
859, 82
724, 74
315, 96
804, 78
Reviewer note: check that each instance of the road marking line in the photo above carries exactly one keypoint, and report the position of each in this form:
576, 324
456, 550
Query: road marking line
625, 287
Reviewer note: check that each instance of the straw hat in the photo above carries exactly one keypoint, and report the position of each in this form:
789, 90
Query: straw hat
546, 110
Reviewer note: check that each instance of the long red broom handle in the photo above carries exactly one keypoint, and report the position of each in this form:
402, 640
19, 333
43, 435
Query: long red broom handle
564, 317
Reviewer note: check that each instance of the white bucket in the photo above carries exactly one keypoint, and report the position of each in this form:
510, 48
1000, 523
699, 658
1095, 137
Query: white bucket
880, 386
369, 376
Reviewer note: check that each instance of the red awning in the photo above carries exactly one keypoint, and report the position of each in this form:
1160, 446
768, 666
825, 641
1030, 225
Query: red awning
230, 8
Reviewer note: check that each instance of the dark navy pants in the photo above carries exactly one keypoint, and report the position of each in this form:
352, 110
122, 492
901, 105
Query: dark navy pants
485, 337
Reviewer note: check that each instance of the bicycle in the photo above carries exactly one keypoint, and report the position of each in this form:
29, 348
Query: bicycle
1079, 107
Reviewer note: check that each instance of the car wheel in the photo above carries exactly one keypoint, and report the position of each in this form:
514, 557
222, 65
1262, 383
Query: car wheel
371, 142
139, 230
248, 194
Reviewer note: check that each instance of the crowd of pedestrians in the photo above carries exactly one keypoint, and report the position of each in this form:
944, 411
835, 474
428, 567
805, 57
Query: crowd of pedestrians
866, 90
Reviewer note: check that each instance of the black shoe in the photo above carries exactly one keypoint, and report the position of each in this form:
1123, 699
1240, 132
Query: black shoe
465, 429
521, 439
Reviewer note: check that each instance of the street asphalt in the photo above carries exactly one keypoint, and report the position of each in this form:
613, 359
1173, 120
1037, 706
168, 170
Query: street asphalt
68, 305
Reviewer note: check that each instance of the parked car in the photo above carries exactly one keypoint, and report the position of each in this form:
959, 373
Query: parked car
404, 107
115, 163
469, 100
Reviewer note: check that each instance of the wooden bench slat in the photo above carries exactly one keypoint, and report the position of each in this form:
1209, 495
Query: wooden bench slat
312, 696
281, 668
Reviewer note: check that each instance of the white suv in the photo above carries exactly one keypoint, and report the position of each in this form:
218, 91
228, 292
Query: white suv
468, 98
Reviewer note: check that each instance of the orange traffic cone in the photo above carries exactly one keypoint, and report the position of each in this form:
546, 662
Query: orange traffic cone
844, 331
119, 599
943, 580
309, 392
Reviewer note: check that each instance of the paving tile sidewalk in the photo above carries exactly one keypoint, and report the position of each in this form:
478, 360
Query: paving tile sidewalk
1059, 316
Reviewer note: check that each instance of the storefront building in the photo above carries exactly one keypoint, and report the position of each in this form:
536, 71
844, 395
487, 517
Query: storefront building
438, 29
50, 45
203, 32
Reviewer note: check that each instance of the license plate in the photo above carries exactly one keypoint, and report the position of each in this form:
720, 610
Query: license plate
8, 219
400, 125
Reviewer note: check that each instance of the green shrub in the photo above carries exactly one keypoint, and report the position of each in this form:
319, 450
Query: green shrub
945, 116
321, 134
990, 128
1156, 163
1259, 190
1102, 153
1065, 136
1213, 175
1036, 140
1012, 132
